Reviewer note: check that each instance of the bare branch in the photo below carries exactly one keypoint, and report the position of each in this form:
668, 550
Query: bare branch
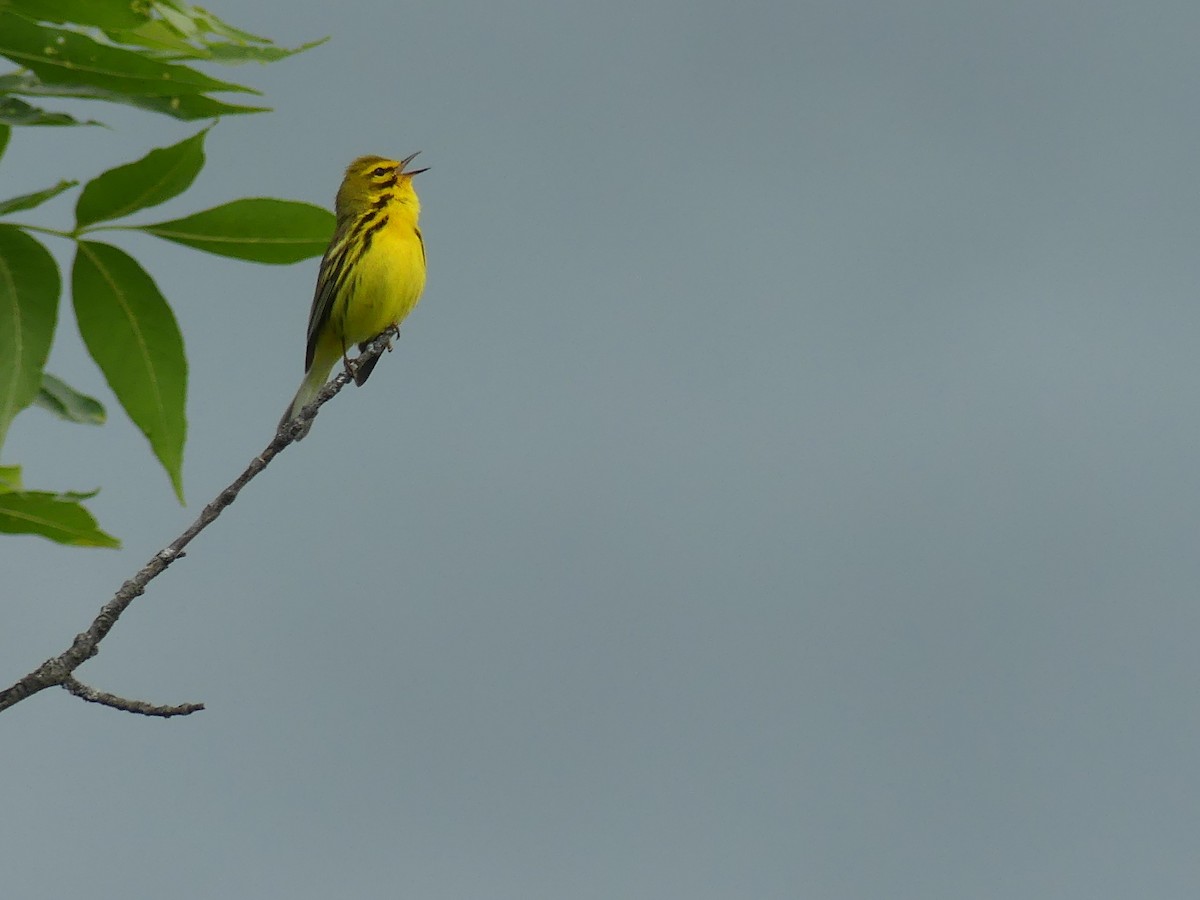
140, 707
58, 670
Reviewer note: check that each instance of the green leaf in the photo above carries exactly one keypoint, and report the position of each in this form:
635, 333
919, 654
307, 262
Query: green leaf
29, 289
132, 335
37, 198
190, 107
183, 32
155, 178
59, 56
10, 478
5, 134
185, 106
18, 112
179, 21
210, 24
58, 517
67, 403
79, 495
232, 54
98, 13
155, 35
192, 21
257, 229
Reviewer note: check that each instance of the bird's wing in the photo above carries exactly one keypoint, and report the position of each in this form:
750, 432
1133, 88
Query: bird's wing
330, 278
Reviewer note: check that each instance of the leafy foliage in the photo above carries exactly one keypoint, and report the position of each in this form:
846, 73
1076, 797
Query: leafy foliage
64, 401
155, 178
132, 335
29, 289
255, 229
132, 52
37, 198
59, 517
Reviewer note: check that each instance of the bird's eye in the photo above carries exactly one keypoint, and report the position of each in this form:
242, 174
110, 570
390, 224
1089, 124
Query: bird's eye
380, 172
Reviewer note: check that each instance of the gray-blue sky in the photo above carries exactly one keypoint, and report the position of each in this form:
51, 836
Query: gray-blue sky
785, 488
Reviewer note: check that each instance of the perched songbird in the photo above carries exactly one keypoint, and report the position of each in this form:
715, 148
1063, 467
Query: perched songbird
371, 276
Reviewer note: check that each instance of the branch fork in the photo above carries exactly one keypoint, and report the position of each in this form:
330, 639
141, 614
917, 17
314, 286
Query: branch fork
59, 670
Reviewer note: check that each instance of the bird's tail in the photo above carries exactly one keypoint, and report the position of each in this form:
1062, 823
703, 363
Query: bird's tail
314, 380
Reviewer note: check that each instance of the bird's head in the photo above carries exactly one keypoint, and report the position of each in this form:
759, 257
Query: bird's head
372, 180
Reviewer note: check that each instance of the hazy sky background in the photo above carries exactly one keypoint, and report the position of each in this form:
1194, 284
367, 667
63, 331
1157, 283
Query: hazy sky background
786, 488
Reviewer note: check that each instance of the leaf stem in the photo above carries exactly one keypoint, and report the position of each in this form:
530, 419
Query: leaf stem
101, 226
69, 235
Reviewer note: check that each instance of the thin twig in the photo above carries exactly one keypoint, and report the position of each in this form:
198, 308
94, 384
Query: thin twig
58, 670
140, 707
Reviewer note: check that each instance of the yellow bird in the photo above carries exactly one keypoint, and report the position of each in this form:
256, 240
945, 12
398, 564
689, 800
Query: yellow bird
371, 276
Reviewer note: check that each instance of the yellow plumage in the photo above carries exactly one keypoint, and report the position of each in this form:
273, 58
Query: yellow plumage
371, 276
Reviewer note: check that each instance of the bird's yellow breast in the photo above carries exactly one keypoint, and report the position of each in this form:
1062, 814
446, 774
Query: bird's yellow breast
387, 282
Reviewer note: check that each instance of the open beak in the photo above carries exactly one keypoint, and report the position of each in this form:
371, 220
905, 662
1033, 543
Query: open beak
404, 162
